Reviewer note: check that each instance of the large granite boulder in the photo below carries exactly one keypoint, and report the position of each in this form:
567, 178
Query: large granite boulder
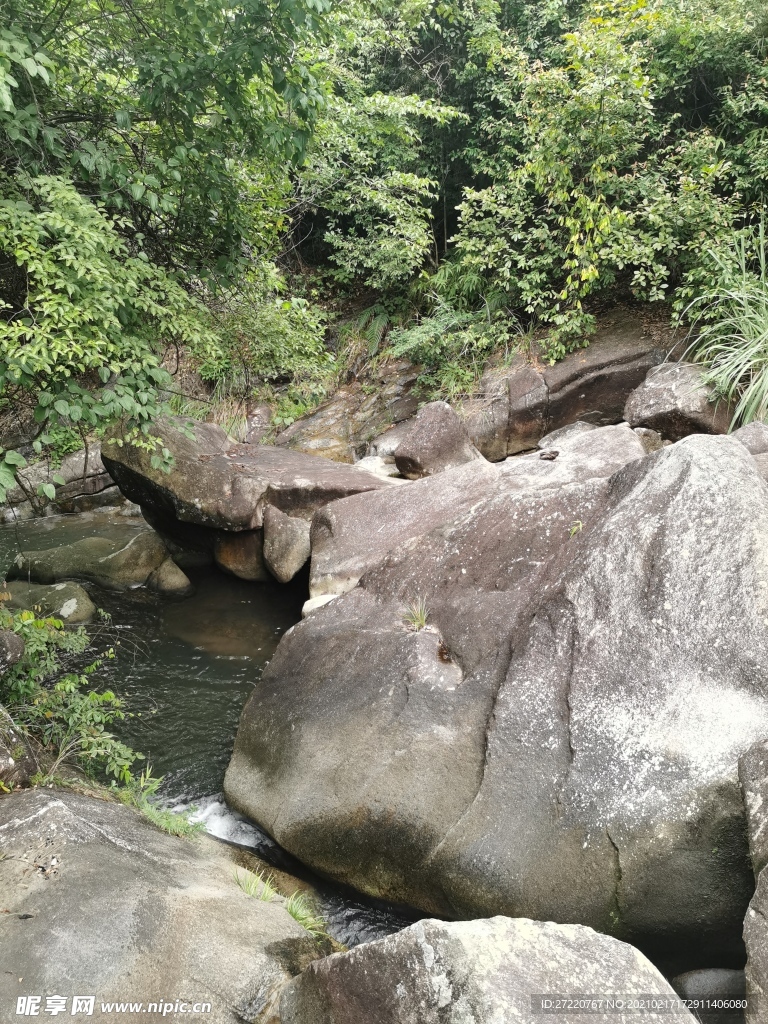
520, 403
98, 902
754, 437
218, 485
560, 740
753, 776
286, 543
756, 941
674, 401
351, 536
241, 554
133, 556
493, 971
437, 440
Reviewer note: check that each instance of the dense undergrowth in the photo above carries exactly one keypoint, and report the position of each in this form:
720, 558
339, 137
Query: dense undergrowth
283, 190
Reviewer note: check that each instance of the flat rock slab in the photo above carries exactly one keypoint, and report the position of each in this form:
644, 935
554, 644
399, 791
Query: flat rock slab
493, 971
215, 483
560, 740
98, 902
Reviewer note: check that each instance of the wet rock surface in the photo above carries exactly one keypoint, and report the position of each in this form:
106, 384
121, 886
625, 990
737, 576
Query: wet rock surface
100, 902
67, 601
560, 741
130, 557
475, 972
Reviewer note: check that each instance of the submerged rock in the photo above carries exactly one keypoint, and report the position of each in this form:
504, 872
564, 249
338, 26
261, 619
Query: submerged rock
127, 558
560, 740
674, 401
101, 902
67, 601
436, 440
477, 972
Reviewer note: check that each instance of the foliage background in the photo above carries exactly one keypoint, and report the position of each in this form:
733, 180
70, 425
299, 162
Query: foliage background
269, 185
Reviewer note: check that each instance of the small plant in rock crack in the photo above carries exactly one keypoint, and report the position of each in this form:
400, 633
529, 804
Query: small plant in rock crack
255, 884
576, 527
416, 614
301, 910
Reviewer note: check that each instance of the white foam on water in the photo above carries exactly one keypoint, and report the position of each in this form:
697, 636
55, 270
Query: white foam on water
219, 819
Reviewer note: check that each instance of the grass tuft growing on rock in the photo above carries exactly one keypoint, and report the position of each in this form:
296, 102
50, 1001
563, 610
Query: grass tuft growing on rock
253, 883
301, 910
417, 614
139, 793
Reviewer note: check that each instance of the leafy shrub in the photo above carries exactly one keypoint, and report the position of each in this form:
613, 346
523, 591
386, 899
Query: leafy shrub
453, 345
81, 315
262, 336
60, 708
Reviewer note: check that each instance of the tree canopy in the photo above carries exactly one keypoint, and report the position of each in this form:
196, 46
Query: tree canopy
231, 178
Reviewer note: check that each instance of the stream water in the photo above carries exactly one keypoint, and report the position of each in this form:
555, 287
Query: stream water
185, 668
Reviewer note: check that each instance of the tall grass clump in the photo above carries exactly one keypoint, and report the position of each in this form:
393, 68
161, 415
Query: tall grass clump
731, 327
